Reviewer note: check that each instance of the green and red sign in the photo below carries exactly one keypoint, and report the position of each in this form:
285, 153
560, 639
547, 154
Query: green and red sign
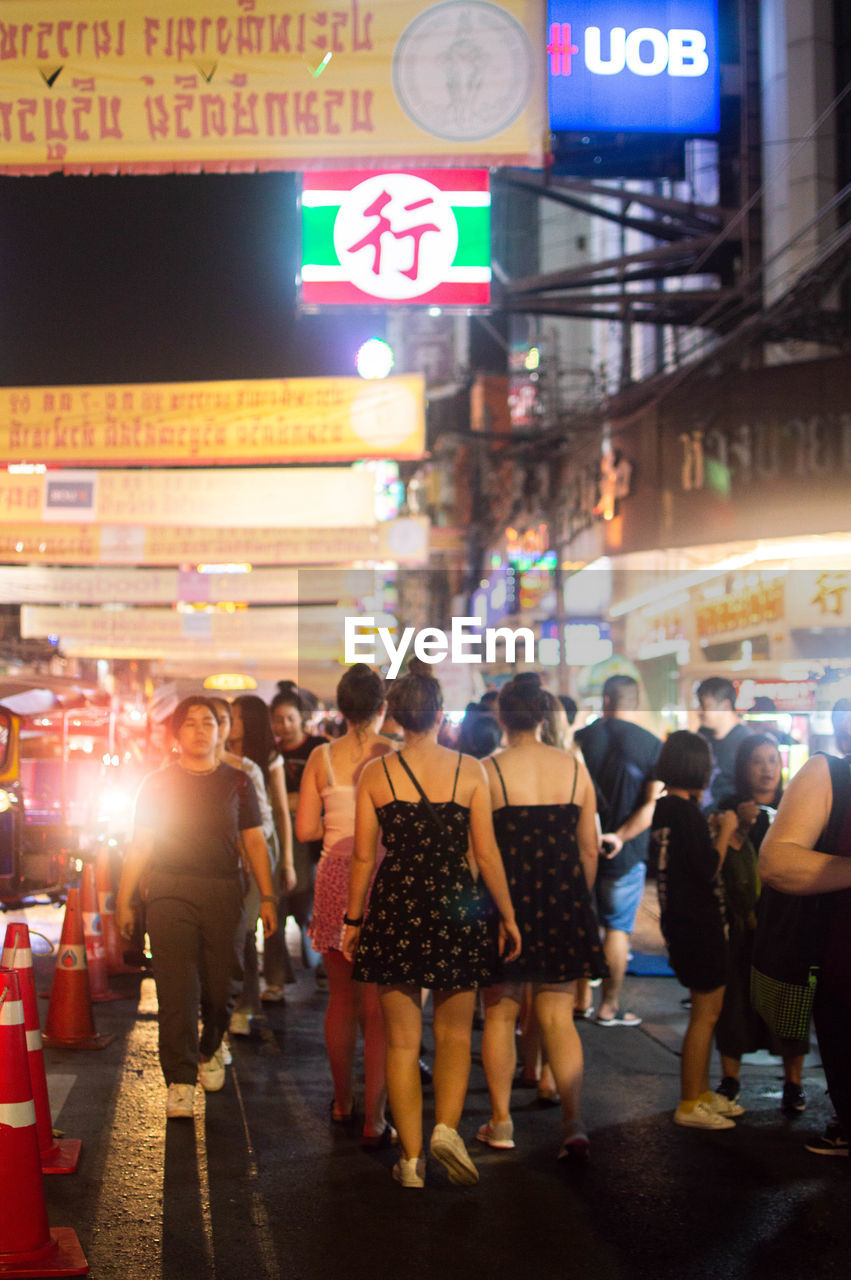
407, 237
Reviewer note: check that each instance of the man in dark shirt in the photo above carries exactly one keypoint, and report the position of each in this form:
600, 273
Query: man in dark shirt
192, 820
621, 758
288, 710
722, 729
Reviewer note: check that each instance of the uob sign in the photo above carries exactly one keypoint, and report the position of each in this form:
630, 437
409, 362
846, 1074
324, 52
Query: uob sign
638, 65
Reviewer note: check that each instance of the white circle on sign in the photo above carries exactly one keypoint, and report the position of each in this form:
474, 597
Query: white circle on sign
396, 236
384, 415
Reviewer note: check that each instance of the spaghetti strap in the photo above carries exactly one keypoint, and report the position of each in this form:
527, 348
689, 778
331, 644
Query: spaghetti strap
575, 776
457, 771
387, 775
499, 775
329, 768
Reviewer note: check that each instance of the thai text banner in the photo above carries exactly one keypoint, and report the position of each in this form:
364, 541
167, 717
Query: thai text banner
26, 542
225, 85
247, 497
201, 423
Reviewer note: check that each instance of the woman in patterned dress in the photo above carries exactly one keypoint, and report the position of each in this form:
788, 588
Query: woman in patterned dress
544, 818
430, 923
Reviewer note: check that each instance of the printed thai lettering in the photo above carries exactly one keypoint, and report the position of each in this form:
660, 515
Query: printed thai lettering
266, 116
103, 38
259, 35
19, 117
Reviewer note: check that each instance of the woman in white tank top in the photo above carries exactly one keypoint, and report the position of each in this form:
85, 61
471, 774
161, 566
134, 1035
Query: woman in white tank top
326, 811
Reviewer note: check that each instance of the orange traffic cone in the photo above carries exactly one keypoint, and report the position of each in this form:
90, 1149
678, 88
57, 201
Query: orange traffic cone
57, 1155
93, 934
28, 1246
113, 945
69, 1018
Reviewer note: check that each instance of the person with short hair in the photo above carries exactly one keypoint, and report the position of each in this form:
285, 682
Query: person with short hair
192, 819
790, 862
431, 920
288, 711
723, 730
692, 917
621, 759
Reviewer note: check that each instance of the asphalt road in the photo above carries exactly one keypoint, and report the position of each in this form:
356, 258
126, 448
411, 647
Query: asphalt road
260, 1185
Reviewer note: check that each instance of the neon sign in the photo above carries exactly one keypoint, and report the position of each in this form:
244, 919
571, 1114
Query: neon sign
637, 65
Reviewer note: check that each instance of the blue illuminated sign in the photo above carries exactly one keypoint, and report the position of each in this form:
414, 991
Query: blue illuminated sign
634, 65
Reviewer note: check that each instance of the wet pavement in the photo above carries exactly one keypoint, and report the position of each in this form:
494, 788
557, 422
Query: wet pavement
260, 1184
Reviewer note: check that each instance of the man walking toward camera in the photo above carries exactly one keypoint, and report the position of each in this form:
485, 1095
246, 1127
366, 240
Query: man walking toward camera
192, 820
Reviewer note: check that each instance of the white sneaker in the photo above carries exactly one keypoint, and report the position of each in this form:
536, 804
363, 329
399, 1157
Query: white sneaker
240, 1023
180, 1102
724, 1106
447, 1146
212, 1074
410, 1173
702, 1117
498, 1133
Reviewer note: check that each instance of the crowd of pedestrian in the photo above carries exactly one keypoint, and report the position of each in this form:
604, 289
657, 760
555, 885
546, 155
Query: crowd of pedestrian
496, 868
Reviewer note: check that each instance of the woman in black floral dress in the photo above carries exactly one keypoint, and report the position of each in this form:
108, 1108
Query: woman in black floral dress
431, 922
544, 818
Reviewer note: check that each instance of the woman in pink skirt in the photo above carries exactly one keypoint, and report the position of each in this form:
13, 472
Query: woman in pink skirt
326, 811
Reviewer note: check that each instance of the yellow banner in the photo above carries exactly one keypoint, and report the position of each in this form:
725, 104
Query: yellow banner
159, 86
201, 423
89, 544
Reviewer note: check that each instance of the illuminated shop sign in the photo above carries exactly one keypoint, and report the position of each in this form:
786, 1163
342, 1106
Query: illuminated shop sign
639, 65
415, 237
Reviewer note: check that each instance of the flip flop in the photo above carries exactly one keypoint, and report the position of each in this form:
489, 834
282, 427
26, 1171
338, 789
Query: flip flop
619, 1020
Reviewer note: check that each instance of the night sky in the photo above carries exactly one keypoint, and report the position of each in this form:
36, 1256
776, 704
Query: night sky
159, 279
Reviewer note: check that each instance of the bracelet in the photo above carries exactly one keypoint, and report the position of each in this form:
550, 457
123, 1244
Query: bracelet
353, 924
269, 897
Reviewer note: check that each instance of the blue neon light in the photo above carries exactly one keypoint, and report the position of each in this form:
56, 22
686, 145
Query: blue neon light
634, 65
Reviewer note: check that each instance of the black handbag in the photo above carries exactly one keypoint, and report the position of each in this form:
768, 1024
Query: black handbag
787, 944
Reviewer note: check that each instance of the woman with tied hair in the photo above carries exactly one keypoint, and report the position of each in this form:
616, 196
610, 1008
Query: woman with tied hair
544, 818
326, 812
430, 922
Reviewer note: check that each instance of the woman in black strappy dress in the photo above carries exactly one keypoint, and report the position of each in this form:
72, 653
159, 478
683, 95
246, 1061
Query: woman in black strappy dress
544, 819
431, 922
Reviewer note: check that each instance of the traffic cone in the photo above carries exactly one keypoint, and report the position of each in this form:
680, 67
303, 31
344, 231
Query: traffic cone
113, 946
93, 934
69, 1018
28, 1246
57, 1155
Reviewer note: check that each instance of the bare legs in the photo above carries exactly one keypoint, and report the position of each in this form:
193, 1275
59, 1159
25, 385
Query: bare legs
499, 1051
554, 1013
616, 951
453, 1020
792, 1067
697, 1043
352, 1005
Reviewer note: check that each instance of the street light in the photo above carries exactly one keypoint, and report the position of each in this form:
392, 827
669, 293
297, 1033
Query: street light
374, 358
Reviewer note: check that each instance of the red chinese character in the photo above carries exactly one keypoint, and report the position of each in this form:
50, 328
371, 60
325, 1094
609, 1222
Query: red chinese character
384, 226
